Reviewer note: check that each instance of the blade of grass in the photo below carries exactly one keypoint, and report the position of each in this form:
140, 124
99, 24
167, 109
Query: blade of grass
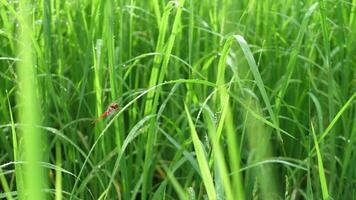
98, 84
226, 123
203, 164
324, 187
218, 153
5, 185
337, 117
18, 169
58, 183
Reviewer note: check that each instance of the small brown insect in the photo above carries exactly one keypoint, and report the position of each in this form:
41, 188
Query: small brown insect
112, 108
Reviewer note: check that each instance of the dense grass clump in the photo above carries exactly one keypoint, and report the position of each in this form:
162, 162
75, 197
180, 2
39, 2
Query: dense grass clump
217, 99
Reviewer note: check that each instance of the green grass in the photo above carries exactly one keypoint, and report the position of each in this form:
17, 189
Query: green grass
218, 99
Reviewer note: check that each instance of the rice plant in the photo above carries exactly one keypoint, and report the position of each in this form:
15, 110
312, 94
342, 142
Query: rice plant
184, 99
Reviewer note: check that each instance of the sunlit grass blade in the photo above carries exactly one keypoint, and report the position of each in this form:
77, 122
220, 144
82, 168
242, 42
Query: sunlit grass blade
58, 184
202, 161
324, 187
337, 117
